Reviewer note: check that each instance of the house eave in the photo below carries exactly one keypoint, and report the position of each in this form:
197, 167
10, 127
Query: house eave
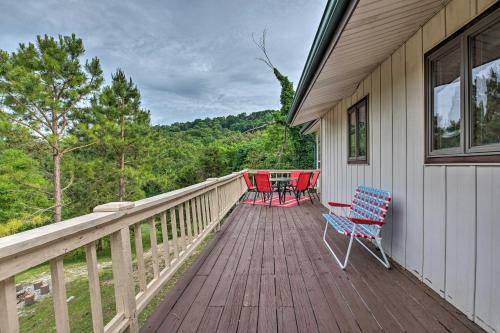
335, 16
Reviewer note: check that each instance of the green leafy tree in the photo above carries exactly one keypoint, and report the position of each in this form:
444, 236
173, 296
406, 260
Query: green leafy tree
43, 85
296, 150
124, 125
23, 192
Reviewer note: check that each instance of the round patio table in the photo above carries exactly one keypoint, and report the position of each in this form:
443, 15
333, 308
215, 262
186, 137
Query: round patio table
281, 185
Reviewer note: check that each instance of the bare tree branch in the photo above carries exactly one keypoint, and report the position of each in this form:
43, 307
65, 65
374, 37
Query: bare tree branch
261, 44
78, 147
34, 129
71, 179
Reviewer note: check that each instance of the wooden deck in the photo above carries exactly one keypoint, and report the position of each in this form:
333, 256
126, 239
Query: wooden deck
267, 270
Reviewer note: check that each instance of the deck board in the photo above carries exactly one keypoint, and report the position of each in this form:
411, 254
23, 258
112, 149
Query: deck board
268, 271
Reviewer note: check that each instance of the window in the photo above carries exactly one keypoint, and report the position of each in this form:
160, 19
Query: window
463, 95
357, 126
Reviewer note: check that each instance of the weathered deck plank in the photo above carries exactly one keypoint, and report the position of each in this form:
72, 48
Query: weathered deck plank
268, 271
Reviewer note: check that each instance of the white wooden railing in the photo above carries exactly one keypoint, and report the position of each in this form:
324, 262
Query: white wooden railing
188, 214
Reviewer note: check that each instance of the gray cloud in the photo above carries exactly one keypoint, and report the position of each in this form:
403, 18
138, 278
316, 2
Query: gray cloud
191, 59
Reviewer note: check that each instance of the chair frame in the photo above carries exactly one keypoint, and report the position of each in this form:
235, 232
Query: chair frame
354, 235
265, 194
297, 192
312, 186
252, 189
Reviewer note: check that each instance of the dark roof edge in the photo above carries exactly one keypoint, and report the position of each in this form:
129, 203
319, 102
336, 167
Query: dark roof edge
307, 126
332, 23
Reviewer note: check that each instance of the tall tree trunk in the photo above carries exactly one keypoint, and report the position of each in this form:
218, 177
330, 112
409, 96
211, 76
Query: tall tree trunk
121, 188
121, 185
56, 157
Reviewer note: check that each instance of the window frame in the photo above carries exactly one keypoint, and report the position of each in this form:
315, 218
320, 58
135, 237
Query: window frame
355, 108
465, 153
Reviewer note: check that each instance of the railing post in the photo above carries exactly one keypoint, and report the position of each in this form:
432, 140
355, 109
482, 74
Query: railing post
215, 202
8, 308
121, 257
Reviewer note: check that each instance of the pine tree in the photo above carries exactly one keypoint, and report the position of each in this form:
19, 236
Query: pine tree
124, 124
42, 86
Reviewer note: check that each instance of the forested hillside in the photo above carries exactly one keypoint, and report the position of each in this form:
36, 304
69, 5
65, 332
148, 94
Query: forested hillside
68, 142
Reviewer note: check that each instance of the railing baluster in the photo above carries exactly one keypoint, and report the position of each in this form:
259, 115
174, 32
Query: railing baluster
188, 222
59, 295
173, 222
94, 288
204, 211
121, 256
154, 247
210, 210
195, 219
9, 321
139, 255
200, 217
182, 227
164, 233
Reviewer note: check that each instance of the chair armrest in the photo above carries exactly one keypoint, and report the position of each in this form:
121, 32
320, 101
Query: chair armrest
338, 204
365, 221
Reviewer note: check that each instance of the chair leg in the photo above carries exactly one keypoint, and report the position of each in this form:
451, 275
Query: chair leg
384, 261
255, 197
271, 199
310, 198
317, 195
342, 265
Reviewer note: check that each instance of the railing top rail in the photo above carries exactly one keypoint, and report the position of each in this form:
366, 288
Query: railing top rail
279, 170
35, 238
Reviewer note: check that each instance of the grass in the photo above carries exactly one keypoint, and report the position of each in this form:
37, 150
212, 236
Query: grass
40, 316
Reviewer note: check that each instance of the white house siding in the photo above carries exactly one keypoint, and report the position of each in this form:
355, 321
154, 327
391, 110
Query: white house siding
444, 224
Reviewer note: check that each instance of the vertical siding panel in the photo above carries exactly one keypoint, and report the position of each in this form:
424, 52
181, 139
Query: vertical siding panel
328, 160
343, 146
460, 236
434, 227
458, 13
434, 31
399, 156
338, 177
415, 153
332, 159
333, 156
336, 156
488, 248
368, 169
386, 144
375, 121
324, 155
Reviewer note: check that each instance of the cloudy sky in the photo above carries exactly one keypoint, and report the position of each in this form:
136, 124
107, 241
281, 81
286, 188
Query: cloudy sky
190, 59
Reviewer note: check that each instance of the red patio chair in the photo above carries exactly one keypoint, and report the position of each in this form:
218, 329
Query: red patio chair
250, 186
294, 176
312, 185
302, 185
263, 187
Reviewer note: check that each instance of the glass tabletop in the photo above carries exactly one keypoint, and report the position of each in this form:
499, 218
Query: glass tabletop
282, 179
